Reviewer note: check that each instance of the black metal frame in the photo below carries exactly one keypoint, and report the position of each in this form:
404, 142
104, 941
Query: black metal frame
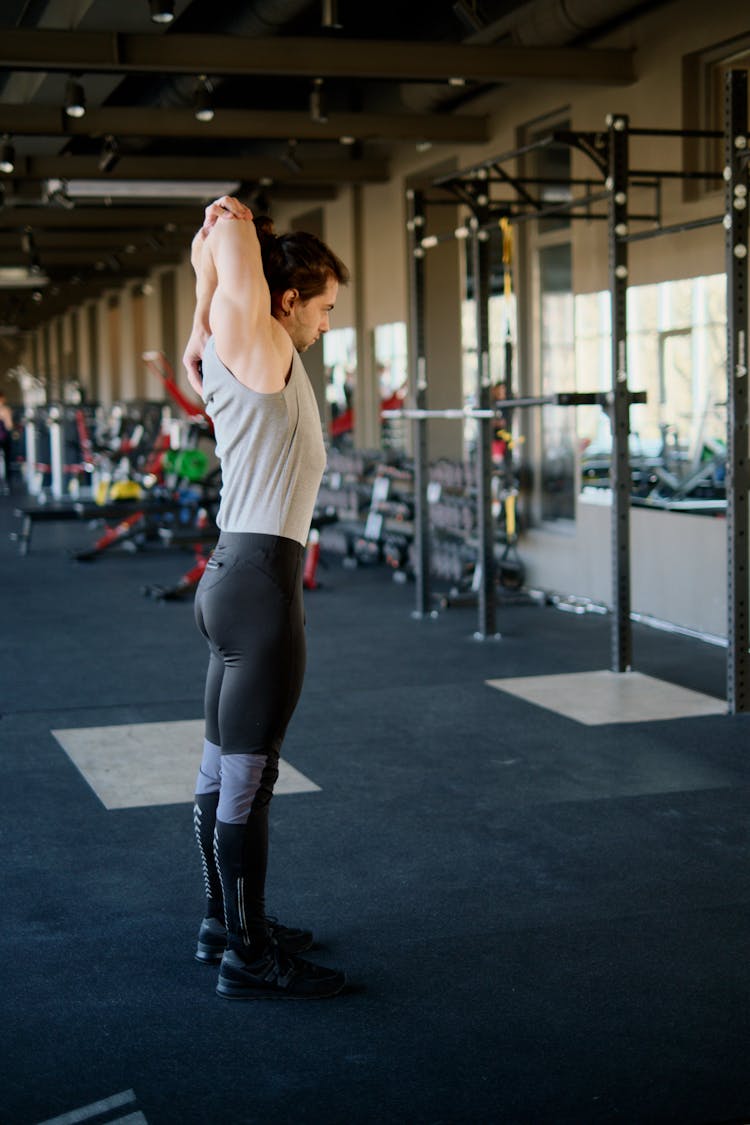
609, 152
738, 469
418, 394
621, 655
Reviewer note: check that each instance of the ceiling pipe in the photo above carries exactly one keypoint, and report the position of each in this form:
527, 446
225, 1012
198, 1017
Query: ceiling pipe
541, 23
267, 18
552, 23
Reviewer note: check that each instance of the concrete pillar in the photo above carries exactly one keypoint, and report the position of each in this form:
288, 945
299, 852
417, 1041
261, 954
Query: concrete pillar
153, 388
46, 362
68, 349
367, 396
80, 316
54, 358
128, 362
105, 382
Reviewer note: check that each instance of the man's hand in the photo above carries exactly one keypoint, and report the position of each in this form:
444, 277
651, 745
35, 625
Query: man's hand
225, 208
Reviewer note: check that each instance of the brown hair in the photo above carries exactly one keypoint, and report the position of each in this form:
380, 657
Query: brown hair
297, 260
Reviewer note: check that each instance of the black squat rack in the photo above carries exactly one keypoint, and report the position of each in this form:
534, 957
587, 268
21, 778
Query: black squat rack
491, 192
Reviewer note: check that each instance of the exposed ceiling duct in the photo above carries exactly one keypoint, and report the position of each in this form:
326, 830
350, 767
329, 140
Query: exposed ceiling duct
541, 23
265, 18
553, 23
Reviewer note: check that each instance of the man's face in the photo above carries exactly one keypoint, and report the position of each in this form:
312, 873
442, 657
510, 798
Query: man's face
308, 320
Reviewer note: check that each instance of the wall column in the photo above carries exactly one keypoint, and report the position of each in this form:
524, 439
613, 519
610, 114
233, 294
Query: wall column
129, 363
367, 392
104, 379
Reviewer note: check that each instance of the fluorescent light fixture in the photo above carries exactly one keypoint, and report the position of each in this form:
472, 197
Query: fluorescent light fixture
150, 189
19, 277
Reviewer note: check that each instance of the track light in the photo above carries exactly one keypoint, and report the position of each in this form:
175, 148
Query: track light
330, 16
202, 100
7, 156
318, 112
290, 158
162, 11
56, 193
75, 98
110, 155
29, 248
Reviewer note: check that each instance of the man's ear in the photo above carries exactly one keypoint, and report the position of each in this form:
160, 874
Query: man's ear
288, 299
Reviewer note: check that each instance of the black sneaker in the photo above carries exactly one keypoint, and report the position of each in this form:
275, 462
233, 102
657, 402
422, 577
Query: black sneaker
212, 939
276, 976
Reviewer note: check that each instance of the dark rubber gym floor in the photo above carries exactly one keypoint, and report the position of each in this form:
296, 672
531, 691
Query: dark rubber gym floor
542, 922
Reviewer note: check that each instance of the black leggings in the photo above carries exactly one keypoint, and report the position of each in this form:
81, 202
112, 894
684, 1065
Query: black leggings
249, 608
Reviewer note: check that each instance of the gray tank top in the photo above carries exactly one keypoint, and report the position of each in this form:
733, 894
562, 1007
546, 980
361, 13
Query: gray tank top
270, 447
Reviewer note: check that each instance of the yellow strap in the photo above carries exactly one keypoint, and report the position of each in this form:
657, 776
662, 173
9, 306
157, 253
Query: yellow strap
510, 515
507, 230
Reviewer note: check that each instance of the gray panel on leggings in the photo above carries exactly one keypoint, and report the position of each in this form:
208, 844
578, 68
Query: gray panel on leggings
209, 772
241, 776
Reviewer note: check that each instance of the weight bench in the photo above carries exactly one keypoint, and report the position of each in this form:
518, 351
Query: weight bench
60, 511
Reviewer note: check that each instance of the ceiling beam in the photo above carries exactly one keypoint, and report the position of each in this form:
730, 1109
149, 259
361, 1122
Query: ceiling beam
104, 240
228, 168
241, 124
31, 49
101, 218
18, 308
83, 258
150, 218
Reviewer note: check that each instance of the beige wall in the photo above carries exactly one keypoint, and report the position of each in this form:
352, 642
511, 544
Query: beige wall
678, 563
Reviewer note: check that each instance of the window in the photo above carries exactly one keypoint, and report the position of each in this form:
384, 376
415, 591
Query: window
703, 77
389, 343
340, 364
550, 166
391, 365
558, 373
502, 323
502, 333
677, 354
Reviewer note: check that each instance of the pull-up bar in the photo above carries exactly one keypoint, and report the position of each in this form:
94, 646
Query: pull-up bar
486, 626
561, 398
